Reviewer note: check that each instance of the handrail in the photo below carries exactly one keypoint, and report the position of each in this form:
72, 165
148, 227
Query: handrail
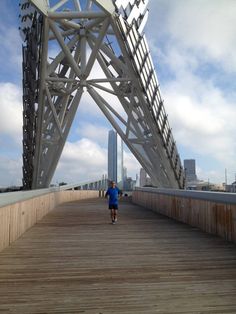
219, 197
19, 196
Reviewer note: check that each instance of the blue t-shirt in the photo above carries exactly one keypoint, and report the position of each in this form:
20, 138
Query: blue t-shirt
113, 195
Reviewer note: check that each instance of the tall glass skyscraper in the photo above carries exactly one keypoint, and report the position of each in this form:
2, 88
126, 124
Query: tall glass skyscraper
115, 158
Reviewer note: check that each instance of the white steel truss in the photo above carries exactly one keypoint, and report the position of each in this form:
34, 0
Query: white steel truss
108, 33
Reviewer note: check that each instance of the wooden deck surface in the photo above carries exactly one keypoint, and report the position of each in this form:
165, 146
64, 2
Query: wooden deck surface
76, 261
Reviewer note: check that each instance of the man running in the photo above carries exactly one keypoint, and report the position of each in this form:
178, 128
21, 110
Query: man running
113, 192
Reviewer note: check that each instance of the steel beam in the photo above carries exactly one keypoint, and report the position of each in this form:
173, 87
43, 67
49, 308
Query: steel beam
70, 43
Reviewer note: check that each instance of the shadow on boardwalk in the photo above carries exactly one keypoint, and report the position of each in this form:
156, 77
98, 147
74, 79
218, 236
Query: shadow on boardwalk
76, 261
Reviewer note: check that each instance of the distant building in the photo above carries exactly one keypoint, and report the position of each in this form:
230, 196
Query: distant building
148, 181
231, 187
10, 189
129, 184
142, 177
115, 158
112, 156
201, 185
120, 162
124, 173
190, 170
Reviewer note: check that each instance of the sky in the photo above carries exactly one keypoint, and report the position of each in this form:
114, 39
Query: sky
193, 47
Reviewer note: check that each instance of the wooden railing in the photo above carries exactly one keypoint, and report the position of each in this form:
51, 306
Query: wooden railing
21, 210
211, 212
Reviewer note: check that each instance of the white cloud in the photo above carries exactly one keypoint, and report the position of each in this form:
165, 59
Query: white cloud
94, 132
11, 111
211, 176
194, 43
207, 27
10, 53
11, 171
88, 106
204, 121
131, 163
81, 161
86, 160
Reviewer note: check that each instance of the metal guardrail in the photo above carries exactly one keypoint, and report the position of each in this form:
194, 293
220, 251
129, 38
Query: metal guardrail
218, 197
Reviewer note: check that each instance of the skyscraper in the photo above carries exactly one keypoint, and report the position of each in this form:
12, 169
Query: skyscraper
120, 163
143, 177
115, 158
112, 156
190, 170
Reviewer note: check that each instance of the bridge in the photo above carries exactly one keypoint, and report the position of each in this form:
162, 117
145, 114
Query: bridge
172, 251
61, 254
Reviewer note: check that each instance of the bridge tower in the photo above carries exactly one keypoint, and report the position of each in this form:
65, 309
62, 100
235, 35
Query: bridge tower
62, 42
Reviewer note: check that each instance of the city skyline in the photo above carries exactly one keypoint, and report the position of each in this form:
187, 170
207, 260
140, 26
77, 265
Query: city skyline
195, 64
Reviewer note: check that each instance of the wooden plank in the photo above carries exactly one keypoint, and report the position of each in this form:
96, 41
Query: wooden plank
23, 216
75, 261
43, 205
4, 227
209, 216
233, 225
16, 218
14, 212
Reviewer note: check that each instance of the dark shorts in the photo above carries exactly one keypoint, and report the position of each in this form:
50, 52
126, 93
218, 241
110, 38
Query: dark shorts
113, 206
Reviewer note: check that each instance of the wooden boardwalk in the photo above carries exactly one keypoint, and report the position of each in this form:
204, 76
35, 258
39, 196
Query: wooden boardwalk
75, 261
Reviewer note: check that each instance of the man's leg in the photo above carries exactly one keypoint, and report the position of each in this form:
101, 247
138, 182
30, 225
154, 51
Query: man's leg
115, 214
112, 215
